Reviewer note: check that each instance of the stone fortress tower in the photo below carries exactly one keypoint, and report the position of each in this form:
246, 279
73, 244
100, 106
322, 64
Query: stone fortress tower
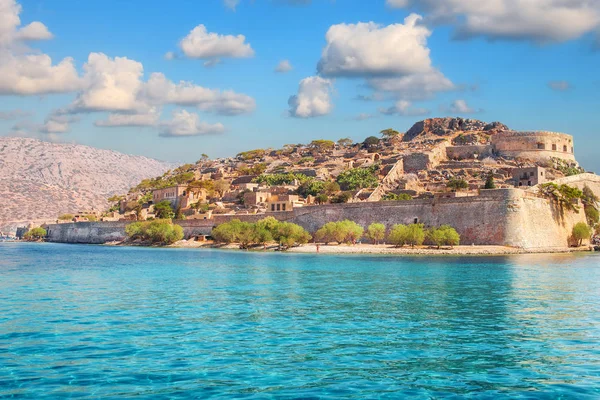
537, 146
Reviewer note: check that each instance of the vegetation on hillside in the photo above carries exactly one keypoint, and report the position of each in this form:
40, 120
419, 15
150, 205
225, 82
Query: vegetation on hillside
359, 178
564, 195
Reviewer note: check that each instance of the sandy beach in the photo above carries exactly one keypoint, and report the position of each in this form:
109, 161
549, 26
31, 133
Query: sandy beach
311, 248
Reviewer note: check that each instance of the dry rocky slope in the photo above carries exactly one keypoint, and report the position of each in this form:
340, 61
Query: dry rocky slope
40, 180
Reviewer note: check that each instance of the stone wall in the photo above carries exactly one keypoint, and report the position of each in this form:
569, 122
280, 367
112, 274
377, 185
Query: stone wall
469, 152
535, 146
509, 217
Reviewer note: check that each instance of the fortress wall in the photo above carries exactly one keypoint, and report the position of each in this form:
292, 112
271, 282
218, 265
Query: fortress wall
87, 232
537, 223
527, 145
468, 152
497, 217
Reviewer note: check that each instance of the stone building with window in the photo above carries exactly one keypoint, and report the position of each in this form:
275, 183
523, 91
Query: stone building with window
529, 176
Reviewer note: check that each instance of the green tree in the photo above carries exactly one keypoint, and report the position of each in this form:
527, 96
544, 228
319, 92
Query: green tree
370, 142
162, 232
592, 215
581, 232
341, 232
221, 186
457, 184
311, 187
376, 232
345, 142
322, 145
489, 182
321, 199
415, 235
389, 133
398, 235
341, 198
331, 188
444, 235
566, 196
164, 210
35, 234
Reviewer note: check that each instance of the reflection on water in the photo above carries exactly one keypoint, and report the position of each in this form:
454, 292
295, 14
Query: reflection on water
102, 322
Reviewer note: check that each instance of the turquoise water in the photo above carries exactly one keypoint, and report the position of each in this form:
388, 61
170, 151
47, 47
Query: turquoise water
100, 322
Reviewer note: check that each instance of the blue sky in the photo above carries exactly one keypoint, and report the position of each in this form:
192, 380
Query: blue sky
536, 69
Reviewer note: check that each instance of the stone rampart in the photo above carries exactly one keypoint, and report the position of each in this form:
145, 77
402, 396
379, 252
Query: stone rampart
535, 146
509, 217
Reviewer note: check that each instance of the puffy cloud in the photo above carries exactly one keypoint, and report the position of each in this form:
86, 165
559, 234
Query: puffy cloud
284, 66
14, 114
34, 31
185, 123
404, 108
559, 86
200, 43
231, 4
109, 85
461, 107
313, 98
149, 118
369, 49
538, 20
26, 72
160, 90
116, 85
419, 86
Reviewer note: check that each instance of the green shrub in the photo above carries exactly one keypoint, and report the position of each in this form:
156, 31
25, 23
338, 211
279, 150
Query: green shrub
376, 232
342, 198
398, 235
581, 232
156, 232
66, 217
397, 197
359, 178
489, 182
591, 214
35, 234
457, 184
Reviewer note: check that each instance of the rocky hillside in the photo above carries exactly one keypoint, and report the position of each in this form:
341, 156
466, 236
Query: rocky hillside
40, 180
433, 127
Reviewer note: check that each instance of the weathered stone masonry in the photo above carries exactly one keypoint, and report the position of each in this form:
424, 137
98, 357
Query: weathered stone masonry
510, 217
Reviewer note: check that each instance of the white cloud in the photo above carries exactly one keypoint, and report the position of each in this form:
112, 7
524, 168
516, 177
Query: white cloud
461, 107
200, 43
559, 86
22, 70
160, 90
404, 108
149, 118
231, 4
57, 124
538, 20
110, 84
116, 85
284, 66
185, 123
419, 86
14, 114
313, 98
34, 31
369, 49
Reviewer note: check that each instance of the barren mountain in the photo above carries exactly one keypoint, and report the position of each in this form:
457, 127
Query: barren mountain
40, 180
433, 127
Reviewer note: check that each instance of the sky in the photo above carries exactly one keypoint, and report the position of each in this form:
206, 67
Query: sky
176, 80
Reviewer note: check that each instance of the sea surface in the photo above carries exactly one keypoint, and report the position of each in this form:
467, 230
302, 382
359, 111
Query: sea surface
102, 322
